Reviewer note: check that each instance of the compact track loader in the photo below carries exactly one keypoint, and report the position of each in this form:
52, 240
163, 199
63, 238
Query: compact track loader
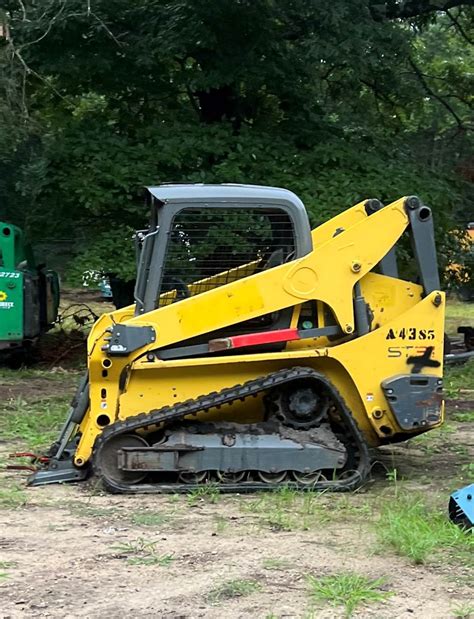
259, 352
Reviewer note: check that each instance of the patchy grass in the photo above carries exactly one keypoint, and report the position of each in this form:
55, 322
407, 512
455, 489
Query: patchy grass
149, 519
463, 416
436, 440
421, 533
468, 470
222, 524
35, 423
6, 565
207, 493
459, 381
458, 314
348, 590
13, 377
349, 507
289, 510
12, 497
275, 564
143, 552
233, 589
91, 511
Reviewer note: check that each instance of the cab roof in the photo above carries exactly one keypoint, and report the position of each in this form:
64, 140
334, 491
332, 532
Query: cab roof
228, 192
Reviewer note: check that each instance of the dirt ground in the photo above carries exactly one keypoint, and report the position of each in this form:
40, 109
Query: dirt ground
73, 551
67, 566
65, 550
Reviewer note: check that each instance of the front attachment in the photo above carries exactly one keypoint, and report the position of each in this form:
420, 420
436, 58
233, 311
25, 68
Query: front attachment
58, 471
57, 465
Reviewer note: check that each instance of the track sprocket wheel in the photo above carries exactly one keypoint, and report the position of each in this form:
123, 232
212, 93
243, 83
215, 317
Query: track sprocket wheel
299, 406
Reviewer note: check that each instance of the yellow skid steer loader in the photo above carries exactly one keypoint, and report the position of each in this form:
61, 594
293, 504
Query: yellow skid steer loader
258, 352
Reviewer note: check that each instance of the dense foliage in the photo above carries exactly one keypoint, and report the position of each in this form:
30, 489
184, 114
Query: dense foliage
337, 101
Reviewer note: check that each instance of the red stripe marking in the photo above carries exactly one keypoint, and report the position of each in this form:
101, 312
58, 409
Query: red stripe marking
254, 339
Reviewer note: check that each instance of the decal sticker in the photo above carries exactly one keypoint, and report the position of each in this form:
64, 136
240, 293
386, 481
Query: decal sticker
4, 304
9, 275
369, 397
394, 352
410, 333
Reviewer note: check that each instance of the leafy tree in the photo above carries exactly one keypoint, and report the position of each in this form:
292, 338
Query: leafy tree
335, 100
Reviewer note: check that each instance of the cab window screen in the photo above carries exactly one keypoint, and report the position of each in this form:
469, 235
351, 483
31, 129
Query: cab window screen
211, 247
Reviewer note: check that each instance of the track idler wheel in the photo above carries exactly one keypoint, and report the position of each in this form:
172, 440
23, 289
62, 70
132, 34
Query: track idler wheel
109, 459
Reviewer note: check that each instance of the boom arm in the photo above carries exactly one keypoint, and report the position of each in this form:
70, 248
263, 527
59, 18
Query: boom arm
344, 259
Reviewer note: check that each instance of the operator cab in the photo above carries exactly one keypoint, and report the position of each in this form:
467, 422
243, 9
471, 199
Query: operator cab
205, 236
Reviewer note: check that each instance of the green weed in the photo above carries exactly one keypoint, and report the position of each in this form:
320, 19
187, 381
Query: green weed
208, 493
153, 559
348, 590
6, 565
416, 532
233, 589
143, 552
463, 611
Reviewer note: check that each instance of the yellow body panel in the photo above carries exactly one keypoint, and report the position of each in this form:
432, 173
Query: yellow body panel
122, 387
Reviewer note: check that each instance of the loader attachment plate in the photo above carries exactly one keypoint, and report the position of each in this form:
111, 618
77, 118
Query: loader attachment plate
58, 471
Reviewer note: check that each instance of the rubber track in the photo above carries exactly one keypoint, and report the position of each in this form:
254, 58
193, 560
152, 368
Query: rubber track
216, 399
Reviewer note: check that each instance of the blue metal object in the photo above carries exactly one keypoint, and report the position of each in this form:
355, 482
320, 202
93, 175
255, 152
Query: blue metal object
461, 507
105, 288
